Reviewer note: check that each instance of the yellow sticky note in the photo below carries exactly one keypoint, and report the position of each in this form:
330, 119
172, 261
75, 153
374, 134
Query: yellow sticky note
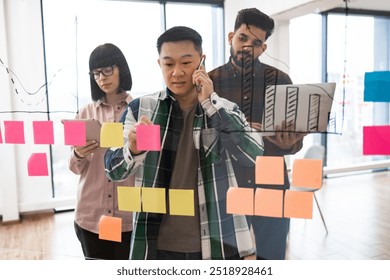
153, 200
269, 203
129, 199
269, 170
240, 201
307, 173
181, 202
298, 204
111, 135
110, 228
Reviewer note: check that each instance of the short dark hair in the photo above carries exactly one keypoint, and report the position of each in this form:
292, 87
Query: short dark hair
180, 33
253, 16
106, 55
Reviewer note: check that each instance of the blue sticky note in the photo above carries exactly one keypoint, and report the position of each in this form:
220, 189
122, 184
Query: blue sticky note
377, 86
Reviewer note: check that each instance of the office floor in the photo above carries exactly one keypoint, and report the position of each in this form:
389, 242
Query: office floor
356, 210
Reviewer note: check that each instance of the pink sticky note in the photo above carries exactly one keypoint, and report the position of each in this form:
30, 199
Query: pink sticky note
14, 132
148, 137
75, 133
376, 140
37, 165
240, 201
1, 137
43, 132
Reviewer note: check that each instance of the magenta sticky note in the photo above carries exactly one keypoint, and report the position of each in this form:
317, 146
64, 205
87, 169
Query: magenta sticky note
43, 132
75, 133
376, 140
148, 138
14, 132
37, 165
1, 137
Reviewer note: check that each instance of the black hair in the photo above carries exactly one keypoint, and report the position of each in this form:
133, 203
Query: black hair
180, 33
106, 55
253, 16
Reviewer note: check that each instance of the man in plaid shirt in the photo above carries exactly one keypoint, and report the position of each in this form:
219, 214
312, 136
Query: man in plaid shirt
201, 135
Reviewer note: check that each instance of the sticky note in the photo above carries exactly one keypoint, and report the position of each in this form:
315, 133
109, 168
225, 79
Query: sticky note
148, 137
153, 200
298, 204
181, 202
129, 199
37, 165
376, 140
269, 170
110, 228
43, 132
307, 173
111, 135
1, 137
14, 132
376, 86
240, 201
269, 203
74, 133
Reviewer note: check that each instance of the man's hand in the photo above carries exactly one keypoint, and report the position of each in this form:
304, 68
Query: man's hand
203, 84
132, 134
285, 137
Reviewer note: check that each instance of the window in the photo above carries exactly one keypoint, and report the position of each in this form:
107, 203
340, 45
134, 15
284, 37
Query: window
360, 42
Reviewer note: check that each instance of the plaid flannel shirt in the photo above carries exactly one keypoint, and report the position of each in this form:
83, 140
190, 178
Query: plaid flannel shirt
221, 135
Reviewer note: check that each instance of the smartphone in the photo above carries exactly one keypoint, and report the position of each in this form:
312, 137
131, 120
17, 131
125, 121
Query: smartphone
198, 88
92, 127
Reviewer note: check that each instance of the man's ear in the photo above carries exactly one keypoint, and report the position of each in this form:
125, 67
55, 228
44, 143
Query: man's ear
230, 37
264, 46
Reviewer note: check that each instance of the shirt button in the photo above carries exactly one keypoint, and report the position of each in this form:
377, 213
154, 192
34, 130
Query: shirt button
249, 181
109, 211
214, 102
109, 195
109, 181
245, 97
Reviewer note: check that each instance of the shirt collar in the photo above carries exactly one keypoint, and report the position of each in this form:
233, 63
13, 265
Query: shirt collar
102, 101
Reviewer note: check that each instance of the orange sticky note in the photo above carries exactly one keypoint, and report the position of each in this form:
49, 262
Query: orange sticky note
37, 165
181, 202
307, 173
148, 138
129, 199
240, 201
153, 200
269, 170
298, 204
269, 203
111, 135
74, 133
14, 132
43, 132
110, 228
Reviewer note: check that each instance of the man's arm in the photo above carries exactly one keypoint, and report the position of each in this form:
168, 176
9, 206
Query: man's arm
243, 143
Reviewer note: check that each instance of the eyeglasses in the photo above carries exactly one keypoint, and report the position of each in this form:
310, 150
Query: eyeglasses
106, 71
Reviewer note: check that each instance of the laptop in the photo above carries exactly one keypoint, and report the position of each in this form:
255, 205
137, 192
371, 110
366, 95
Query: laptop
305, 106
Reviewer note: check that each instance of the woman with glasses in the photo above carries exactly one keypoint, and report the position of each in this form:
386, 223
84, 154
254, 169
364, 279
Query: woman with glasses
110, 80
